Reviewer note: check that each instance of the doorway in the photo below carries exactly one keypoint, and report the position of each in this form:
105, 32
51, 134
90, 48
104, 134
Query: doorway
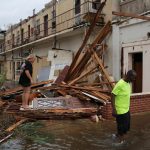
137, 65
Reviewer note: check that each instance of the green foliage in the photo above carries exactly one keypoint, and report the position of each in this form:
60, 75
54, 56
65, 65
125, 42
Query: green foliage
2, 79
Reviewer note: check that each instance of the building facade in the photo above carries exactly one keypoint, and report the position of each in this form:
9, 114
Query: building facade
131, 44
57, 30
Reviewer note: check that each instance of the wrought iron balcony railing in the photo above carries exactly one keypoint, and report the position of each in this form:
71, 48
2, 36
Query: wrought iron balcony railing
72, 18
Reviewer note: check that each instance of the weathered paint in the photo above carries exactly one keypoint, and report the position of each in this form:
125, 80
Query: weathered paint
132, 36
135, 6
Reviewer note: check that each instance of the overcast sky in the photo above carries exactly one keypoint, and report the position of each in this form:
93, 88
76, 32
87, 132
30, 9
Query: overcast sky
11, 11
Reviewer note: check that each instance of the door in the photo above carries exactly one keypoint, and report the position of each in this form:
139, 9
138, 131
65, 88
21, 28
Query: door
137, 62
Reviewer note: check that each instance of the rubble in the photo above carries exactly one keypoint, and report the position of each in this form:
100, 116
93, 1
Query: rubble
81, 99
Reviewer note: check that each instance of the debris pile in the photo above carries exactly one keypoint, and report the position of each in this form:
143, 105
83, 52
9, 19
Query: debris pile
78, 94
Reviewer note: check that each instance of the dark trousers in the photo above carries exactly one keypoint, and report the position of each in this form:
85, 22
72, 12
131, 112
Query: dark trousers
123, 123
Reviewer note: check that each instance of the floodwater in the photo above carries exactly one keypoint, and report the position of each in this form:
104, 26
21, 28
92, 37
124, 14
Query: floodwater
78, 135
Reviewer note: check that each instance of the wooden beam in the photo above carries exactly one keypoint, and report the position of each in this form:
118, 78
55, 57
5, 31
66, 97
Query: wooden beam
131, 15
79, 94
11, 128
84, 88
19, 89
82, 75
96, 84
72, 110
102, 34
86, 38
98, 61
100, 37
5, 138
98, 98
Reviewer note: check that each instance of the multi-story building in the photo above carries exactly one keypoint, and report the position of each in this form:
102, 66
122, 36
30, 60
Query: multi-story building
54, 34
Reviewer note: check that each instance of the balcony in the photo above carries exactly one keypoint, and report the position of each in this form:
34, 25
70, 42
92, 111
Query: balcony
71, 19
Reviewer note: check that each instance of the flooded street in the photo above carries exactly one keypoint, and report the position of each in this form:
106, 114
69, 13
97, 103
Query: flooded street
78, 135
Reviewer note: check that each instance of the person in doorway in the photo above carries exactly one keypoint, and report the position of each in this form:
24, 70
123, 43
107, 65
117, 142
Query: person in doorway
26, 80
121, 103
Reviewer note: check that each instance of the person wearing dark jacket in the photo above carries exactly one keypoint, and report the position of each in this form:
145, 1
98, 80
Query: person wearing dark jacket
26, 80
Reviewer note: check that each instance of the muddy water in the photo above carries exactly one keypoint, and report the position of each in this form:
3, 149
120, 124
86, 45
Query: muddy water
79, 135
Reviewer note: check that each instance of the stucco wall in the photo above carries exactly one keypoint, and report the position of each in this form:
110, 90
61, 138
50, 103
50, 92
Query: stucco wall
132, 37
135, 6
130, 31
144, 48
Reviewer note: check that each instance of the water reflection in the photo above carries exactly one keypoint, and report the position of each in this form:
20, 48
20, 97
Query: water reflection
78, 135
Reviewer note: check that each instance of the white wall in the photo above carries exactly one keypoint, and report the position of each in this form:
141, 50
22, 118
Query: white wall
59, 59
132, 33
144, 48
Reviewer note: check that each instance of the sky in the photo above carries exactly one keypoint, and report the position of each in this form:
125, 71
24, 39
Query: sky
11, 11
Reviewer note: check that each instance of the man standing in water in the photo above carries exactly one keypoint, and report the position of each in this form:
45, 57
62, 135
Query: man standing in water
121, 103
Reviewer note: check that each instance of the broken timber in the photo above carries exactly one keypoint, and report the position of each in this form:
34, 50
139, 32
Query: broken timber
88, 59
19, 89
85, 39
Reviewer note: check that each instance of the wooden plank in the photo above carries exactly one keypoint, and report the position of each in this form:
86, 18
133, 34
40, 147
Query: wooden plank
100, 37
96, 84
62, 92
131, 15
102, 34
72, 110
62, 75
99, 95
11, 128
19, 89
57, 113
6, 138
98, 61
84, 88
94, 97
80, 67
82, 75
86, 38
78, 94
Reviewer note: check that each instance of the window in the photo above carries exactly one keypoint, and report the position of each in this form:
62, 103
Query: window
18, 37
38, 27
96, 4
45, 25
29, 31
10, 65
77, 6
53, 19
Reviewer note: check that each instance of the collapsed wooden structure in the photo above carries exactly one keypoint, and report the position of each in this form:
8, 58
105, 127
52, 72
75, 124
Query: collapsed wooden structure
87, 61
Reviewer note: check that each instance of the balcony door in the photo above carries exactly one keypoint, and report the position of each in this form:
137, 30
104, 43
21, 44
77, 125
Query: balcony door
22, 36
46, 25
77, 6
